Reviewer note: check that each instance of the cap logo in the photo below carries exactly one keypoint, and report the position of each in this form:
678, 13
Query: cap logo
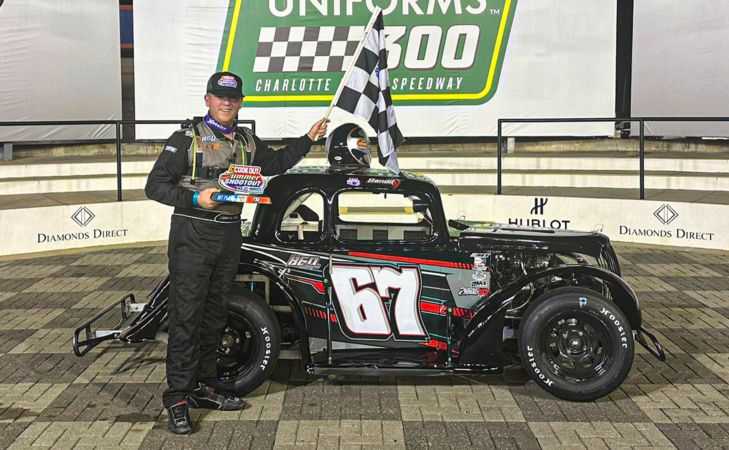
227, 81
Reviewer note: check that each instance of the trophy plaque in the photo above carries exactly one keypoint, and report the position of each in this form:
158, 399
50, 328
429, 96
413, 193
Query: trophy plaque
242, 184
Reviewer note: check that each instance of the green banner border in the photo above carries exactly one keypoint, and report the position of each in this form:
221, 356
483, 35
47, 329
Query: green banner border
472, 98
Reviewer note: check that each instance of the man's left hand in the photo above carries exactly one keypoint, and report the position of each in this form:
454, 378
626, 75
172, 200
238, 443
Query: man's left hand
318, 130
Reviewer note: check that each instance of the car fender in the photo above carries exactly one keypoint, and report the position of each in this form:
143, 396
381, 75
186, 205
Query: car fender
293, 303
485, 329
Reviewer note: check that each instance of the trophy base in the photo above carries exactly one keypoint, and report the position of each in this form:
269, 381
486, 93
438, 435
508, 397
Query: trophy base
241, 198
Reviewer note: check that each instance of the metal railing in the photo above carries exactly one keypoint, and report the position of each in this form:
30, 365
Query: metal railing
500, 136
117, 134
641, 150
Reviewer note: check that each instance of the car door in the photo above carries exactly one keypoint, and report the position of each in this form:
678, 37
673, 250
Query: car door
389, 279
300, 257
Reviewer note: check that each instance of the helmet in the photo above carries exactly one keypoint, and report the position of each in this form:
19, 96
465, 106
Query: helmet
348, 145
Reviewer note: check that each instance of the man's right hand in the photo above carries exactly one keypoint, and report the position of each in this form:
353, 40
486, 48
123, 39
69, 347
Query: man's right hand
205, 199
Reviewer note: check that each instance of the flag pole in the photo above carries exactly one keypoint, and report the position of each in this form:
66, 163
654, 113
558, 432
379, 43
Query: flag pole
347, 74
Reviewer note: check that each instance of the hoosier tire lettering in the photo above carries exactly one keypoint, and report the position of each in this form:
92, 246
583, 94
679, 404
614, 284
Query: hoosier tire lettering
533, 364
614, 320
267, 353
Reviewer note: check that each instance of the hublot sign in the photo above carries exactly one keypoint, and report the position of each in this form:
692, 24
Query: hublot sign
538, 209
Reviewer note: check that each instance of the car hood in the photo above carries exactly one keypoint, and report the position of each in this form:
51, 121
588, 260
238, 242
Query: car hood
510, 237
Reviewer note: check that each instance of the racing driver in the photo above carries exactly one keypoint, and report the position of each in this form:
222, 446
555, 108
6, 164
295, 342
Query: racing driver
205, 239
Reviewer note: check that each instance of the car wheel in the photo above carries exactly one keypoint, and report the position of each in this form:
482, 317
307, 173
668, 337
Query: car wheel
250, 344
576, 344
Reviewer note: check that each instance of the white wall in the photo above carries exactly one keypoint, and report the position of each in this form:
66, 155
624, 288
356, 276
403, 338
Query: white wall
59, 60
680, 64
30, 230
53, 228
622, 220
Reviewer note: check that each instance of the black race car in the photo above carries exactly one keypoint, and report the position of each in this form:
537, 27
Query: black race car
360, 270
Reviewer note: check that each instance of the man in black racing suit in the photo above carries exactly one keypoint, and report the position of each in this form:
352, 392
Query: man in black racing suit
205, 240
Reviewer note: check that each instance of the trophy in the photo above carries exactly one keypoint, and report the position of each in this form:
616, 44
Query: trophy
243, 184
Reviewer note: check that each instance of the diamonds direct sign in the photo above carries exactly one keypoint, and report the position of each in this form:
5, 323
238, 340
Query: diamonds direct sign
295, 52
83, 216
665, 214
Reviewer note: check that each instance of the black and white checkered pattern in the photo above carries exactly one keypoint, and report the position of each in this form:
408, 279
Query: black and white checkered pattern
366, 93
306, 49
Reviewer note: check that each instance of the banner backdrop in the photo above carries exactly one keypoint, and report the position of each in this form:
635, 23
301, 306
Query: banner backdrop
59, 60
456, 66
680, 65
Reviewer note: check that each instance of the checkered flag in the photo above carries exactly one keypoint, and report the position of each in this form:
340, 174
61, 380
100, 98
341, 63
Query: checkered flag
366, 92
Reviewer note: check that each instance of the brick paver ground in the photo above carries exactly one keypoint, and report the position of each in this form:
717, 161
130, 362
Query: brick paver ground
111, 397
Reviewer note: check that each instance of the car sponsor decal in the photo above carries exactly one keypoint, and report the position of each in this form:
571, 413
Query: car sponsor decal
481, 276
304, 262
354, 182
393, 183
475, 291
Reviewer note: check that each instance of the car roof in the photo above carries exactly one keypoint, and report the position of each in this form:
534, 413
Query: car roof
329, 182
332, 180
346, 172
328, 177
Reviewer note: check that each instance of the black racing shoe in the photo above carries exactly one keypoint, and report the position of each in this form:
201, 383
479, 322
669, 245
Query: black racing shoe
178, 416
206, 397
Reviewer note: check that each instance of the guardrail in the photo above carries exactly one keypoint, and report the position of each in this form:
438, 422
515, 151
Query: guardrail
641, 121
117, 127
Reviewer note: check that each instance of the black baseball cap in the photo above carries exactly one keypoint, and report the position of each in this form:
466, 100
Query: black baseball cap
225, 84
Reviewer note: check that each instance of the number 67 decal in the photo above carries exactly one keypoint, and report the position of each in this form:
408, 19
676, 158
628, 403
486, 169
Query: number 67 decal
361, 293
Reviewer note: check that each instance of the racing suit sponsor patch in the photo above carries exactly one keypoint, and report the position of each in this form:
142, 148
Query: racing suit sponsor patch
170, 148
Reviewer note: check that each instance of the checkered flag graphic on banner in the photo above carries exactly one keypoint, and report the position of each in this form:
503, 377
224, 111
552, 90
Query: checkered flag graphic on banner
366, 93
306, 49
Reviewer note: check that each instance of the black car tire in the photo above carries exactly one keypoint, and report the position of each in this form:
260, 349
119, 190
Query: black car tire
570, 365
252, 338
